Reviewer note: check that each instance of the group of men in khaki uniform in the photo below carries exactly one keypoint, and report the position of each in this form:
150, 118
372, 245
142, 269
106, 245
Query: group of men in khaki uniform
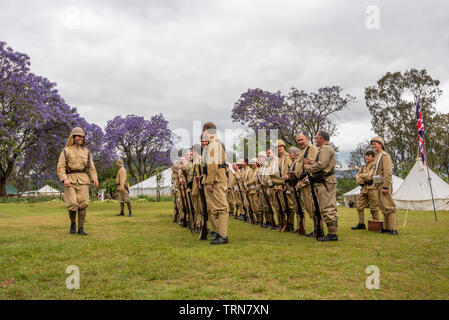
202, 174
76, 170
375, 179
263, 191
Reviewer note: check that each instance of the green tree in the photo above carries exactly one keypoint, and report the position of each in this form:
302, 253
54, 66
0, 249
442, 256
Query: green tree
392, 104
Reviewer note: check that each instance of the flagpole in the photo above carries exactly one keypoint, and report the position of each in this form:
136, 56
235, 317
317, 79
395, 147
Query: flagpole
427, 165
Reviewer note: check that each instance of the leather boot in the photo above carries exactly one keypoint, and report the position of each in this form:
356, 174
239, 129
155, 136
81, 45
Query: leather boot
360, 226
329, 237
122, 210
73, 228
72, 215
219, 240
129, 209
81, 232
81, 219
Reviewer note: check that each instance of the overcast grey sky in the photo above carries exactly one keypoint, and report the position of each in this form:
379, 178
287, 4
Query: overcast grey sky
191, 60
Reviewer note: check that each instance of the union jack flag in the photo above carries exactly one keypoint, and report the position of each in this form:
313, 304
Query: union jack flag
420, 133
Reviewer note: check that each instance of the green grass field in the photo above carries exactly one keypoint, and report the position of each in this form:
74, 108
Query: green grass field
149, 257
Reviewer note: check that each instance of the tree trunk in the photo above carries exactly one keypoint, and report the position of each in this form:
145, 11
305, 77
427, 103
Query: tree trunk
3, 193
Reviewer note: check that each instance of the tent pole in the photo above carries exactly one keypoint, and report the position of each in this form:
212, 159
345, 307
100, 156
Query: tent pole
406, 214
431, 192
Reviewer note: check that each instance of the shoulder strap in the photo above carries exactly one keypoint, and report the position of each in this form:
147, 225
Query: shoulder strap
306, 154
378, 160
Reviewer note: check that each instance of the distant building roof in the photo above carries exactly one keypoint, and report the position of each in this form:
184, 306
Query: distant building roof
10, 189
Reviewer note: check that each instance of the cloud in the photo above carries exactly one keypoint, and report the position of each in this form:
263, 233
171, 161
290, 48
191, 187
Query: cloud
191, 60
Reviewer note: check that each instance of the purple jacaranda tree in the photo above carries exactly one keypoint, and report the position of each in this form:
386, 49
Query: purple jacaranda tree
35, 121
143, 144
297, 112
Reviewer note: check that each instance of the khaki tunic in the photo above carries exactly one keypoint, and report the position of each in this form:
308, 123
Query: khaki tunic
326, 192
77, 195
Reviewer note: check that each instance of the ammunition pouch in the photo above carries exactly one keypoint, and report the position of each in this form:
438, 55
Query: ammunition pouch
378, 179
293, 181
302, 176
320, 176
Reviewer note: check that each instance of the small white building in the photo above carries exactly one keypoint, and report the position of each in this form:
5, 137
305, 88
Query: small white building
150, 187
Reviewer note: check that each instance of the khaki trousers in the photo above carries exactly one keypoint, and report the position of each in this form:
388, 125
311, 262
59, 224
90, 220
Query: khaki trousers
76, 196
388, 208
327, 201
217, 206
368, 197
123, 196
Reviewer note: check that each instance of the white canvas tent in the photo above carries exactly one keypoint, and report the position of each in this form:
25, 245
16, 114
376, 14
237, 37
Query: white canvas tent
48, 191
149, 186
414, 193
353, 195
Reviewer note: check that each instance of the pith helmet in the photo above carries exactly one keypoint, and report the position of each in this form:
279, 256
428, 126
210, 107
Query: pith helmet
253, 161
240, 161
77, 132
378, 140
120, 163
280, 143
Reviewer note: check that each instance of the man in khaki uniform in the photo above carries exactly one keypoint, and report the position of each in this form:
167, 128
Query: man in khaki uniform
215, 182
287, 201
273, 180
74, 165
368, 191
196, 199
262, 180
187, 174
382, 179
239, 210
325, 184
307, 151
244, 170
252, 191
293, 154
175, 191
182, 186
122, 188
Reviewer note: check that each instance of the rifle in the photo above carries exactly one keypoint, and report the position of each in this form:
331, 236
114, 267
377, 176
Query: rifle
300, 212
243, 202
269, 205
292, 181
276, 195
250, 211
318, 230
203, 234
287, 212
